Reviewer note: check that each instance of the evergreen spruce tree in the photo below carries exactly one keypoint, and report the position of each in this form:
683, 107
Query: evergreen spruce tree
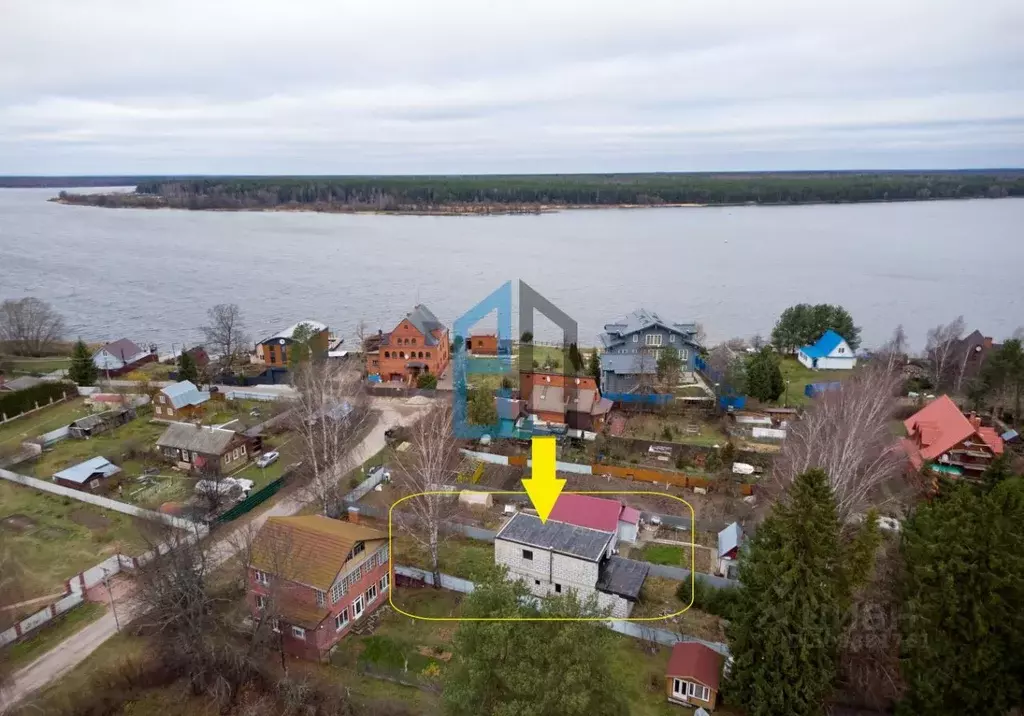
798, 579
187, 369
962, 621
594, 366
82, 370
764, 377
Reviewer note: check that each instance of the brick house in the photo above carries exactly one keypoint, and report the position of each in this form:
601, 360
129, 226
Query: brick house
205, 449
553, 556
483, 344
693, 675
315, 577
418, 344
954, 444
572, 400
273, 351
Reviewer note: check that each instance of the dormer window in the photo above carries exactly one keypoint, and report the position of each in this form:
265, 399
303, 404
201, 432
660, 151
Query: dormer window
359, 547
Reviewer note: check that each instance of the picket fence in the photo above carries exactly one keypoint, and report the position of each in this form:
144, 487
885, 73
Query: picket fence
636, 630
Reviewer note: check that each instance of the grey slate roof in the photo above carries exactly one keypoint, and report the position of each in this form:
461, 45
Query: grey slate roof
560, 537
641, 319
425, 322
205, 441
629, 363
123, 349
625, 577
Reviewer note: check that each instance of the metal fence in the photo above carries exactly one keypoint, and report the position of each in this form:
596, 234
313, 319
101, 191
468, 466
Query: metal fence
254, 500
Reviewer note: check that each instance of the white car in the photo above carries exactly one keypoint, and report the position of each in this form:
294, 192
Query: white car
268, 458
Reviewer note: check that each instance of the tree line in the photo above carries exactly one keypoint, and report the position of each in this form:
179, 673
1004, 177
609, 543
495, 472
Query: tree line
423, 192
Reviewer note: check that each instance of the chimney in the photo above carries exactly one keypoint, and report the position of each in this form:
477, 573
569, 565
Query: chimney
987, 342
975, 420
353, 515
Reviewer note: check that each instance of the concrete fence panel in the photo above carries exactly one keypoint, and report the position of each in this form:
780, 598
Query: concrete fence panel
486, 457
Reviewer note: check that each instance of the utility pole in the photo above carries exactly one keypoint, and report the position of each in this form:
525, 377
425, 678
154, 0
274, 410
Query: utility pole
110, 594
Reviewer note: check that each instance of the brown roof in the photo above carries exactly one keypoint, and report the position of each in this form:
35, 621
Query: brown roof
693, 661
301, 614
310, 549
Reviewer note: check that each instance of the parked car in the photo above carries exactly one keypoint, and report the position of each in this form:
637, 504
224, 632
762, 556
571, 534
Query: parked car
268, 458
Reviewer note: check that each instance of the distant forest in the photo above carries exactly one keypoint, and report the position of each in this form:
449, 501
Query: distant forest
531, 193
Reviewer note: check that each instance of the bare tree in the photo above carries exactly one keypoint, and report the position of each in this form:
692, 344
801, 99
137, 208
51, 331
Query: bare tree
29, 326
431, 465
329, 418
941, 348
699, 334
360, 333
894, 352
846, 433
225, 334
757, 342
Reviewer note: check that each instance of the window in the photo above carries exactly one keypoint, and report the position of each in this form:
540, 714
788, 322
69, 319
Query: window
159, 410
697, 691
842, 350
261, 602
636, 338
653, 339
94, 484
672, 338
684, 354
337, 591
298, 632
414, 341
401, 354
163, 399
428, 354
357, 607
387, 354
356, 575
528, 554
358, 548
375, 361
234, 454
262, 577
421, 354
371, 593
384, 583
321, 598
341, 620
170, 411
536, 582
678, 687
558, 589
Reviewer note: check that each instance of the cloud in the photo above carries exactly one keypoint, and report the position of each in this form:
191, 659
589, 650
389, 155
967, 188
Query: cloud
112, 86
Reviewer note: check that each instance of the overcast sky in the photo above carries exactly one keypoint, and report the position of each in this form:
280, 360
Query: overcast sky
451, 86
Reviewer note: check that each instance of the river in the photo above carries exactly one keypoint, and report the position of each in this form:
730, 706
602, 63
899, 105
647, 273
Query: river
151, 275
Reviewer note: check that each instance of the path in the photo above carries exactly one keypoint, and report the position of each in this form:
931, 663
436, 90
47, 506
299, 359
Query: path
76, 648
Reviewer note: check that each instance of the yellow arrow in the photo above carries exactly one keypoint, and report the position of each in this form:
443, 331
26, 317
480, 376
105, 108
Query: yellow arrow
543, 487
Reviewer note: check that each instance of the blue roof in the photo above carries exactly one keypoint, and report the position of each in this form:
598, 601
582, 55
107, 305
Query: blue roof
185, 393
81, 472
824, 346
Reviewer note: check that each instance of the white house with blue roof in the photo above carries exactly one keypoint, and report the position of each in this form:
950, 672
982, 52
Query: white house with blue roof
830, 352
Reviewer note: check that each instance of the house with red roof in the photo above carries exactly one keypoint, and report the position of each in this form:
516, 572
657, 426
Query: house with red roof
693, 675
598, 513
953, 443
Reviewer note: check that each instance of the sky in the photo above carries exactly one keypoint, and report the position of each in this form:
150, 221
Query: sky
454, 86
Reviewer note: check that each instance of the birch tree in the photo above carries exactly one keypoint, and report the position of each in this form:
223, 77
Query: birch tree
225, 333
430, 465
846, 433
329, 418
941, 348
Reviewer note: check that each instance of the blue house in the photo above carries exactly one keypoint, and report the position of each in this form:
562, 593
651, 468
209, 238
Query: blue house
632, 346
830, 352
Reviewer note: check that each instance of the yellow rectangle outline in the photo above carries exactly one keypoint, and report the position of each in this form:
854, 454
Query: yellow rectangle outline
693, 562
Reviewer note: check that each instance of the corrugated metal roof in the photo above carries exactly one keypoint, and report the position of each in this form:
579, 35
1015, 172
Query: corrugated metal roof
729, 539
289, 332
425, 322
185, 393
597, 513
81, 472
559, 537
693, 660
641, 318
123, 349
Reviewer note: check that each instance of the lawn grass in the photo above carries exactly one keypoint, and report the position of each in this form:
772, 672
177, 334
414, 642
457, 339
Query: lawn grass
42, 421
49, 636
288, 445
663, 554
139, 434
36, 366
53, 538
674, 428
799, 376
469, 559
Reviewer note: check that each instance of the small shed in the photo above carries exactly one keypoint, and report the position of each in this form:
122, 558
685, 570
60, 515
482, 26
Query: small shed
93, 474
693, 675
97, 423
476, 499
728, 547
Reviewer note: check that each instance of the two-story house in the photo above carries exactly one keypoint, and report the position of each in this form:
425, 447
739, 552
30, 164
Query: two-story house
632, 345
179, 401
418, 344
314, 578
553, 557
970, 353
273, 351
955, 444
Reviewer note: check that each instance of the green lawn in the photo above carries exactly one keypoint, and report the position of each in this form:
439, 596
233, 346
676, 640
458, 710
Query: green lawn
663, 554
459, 557
137, 436
42, 421
20, 654
36, 366
52, 538
287, 444
800, 376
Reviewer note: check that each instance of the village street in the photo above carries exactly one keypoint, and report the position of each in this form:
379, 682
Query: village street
52, 665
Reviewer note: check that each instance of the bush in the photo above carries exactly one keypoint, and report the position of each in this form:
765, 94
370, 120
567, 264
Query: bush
713, 461
720, 602
427, 381
728, 454
19, 401
666, 434
383, 651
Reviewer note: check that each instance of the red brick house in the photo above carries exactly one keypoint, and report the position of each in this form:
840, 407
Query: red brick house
483, 344
315, 577
419, 344
955, 444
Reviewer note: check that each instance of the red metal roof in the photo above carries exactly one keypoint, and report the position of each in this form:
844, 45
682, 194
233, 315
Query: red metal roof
940, 425
630, 515
692, 660
597, 513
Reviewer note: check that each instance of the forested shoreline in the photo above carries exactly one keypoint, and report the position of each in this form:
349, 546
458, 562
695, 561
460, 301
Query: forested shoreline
481, 194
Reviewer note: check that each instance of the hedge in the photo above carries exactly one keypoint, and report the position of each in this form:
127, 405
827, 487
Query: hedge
20, 401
